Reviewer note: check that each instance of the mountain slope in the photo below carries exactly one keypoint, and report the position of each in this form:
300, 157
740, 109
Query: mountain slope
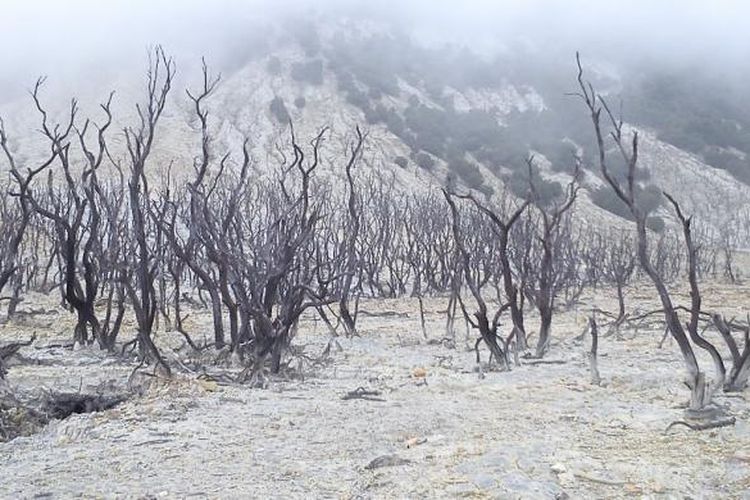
433, 116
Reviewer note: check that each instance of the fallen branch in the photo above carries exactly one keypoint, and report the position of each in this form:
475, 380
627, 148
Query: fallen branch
11, 349
599, 480
384, 314
544, 362
153, 442
69, 345
362, 393
218, 378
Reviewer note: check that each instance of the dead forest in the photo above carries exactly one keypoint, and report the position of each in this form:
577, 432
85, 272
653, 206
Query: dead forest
259, 247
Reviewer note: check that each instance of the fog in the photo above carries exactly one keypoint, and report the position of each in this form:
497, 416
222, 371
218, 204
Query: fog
77, 37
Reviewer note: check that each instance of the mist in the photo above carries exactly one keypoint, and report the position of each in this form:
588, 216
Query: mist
69, 39
374, 249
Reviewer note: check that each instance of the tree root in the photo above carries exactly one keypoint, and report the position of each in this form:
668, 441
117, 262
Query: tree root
702, 426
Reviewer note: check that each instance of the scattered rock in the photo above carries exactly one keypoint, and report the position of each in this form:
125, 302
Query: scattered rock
633, 489
415, 441
386, 461
558, 468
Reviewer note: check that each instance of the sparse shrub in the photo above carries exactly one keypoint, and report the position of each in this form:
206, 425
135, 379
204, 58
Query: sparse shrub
546, 190
309, 72
655, 224
486, 189
561, 155
357, 98
649, 199
468, 172
274, 66
374, 93
430, 128
378, 114
279, 111
424, 161
603, 197
401, 161
732, 163
395, 123
472, 130
300, 102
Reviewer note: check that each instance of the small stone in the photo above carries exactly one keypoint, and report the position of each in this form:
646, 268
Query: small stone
633, 489
558, 468
208, 385
415, 441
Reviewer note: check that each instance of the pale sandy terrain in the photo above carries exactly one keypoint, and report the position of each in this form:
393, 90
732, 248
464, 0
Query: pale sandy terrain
540, 431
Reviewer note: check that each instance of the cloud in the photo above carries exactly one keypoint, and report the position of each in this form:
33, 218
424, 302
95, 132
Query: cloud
64, 37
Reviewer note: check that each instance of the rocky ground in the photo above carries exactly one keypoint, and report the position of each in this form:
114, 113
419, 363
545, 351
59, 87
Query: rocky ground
437, 427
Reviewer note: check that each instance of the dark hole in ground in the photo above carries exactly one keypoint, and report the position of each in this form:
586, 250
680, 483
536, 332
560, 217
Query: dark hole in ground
61, 405
23, 418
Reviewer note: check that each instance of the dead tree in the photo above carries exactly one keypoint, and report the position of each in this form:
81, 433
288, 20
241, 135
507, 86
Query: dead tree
213, 213
416, 253
74, 215
667, 257
17, 216
198, 221
75, 211
111, 253
277, 272
593, 252
555, 229
738, 375
701, 393
618, 265
140, 283
352, 230
695, 306
502, 229
487, 327
12, 226
728, 243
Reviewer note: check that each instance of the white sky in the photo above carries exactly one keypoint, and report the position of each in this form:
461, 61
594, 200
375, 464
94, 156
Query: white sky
60, 36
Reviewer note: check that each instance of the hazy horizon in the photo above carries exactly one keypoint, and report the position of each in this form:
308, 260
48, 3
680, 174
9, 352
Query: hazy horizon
49, 37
